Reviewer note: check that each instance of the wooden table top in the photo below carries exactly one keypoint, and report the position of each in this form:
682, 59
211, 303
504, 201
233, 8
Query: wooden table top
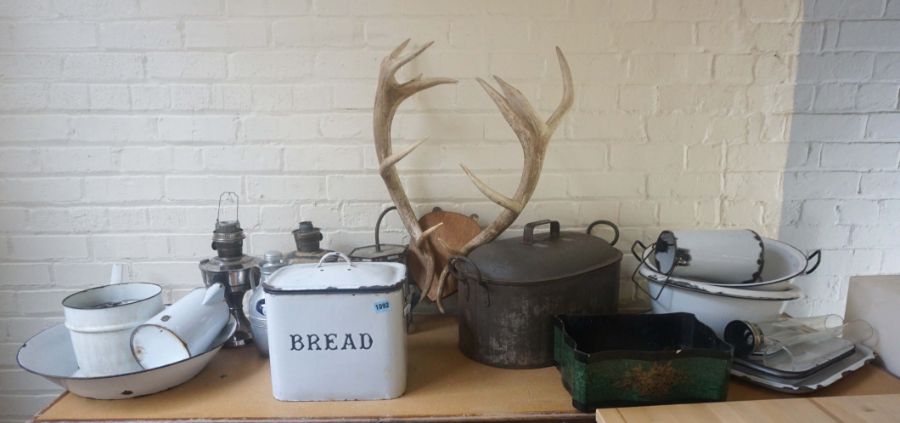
845, 409
442, 385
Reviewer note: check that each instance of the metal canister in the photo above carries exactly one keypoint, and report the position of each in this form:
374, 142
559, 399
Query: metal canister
268, 264
388, 253
379, 252
307, 237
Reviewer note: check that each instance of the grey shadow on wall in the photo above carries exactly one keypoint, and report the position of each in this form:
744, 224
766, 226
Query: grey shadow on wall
829, 155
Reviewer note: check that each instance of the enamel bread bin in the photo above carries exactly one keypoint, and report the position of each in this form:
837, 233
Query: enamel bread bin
336, 330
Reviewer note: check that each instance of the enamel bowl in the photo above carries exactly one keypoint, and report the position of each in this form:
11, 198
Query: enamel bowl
716, 306
50, 354
783, 262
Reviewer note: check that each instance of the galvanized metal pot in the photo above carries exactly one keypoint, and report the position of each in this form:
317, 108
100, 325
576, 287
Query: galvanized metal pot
510, 290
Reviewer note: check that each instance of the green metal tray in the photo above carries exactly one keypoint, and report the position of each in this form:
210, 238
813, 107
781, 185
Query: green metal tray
630, 360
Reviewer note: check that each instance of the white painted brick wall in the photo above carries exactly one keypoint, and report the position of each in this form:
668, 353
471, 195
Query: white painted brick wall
122, 121
842, 173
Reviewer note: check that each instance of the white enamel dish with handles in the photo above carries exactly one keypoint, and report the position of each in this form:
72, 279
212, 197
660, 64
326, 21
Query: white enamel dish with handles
716, 310
336, 330
783, 261
49, 354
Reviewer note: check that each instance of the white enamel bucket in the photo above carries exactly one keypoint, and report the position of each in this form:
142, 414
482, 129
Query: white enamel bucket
100, 321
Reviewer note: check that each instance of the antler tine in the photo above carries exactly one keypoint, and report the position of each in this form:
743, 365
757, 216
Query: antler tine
427, 233
388, 162
498, 198
568, 97
416, 85
396, 51
408, 58
521, 106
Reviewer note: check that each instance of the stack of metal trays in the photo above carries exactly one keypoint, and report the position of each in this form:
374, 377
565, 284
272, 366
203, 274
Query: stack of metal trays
783, 373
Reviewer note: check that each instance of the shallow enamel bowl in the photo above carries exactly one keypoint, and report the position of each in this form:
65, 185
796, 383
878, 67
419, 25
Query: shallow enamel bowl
783, 262
717, 309
49, 354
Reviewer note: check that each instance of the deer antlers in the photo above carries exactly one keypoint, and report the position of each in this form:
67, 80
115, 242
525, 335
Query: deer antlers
388, 97
534, 136
533, 133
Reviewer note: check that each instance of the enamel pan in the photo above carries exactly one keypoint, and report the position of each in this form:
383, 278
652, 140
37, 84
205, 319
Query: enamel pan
49, 354
783, 263
787, 292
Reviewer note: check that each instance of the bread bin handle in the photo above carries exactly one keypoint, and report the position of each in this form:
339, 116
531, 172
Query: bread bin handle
335, 254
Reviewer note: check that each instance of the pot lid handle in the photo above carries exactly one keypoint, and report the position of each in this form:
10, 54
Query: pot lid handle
528, 235
335, 254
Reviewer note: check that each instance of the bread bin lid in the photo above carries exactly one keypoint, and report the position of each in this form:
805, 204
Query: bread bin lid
336, 277
541, 258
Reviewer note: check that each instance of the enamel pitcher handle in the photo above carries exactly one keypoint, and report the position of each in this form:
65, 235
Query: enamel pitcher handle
528, 235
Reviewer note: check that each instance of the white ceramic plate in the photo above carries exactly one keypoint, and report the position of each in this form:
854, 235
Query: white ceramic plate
783, 262
49, 354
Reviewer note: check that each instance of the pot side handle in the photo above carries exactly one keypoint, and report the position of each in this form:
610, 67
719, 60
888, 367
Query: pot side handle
464, 276
528, 233
607, 223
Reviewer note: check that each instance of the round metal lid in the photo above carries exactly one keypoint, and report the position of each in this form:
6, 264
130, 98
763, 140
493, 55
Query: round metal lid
540, 258
336, 276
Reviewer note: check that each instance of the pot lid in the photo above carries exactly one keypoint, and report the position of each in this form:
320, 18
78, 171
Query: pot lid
342, 275
538, 258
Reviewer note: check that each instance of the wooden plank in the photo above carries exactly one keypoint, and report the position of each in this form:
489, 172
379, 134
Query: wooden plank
862, 409
609, 415
787, 410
